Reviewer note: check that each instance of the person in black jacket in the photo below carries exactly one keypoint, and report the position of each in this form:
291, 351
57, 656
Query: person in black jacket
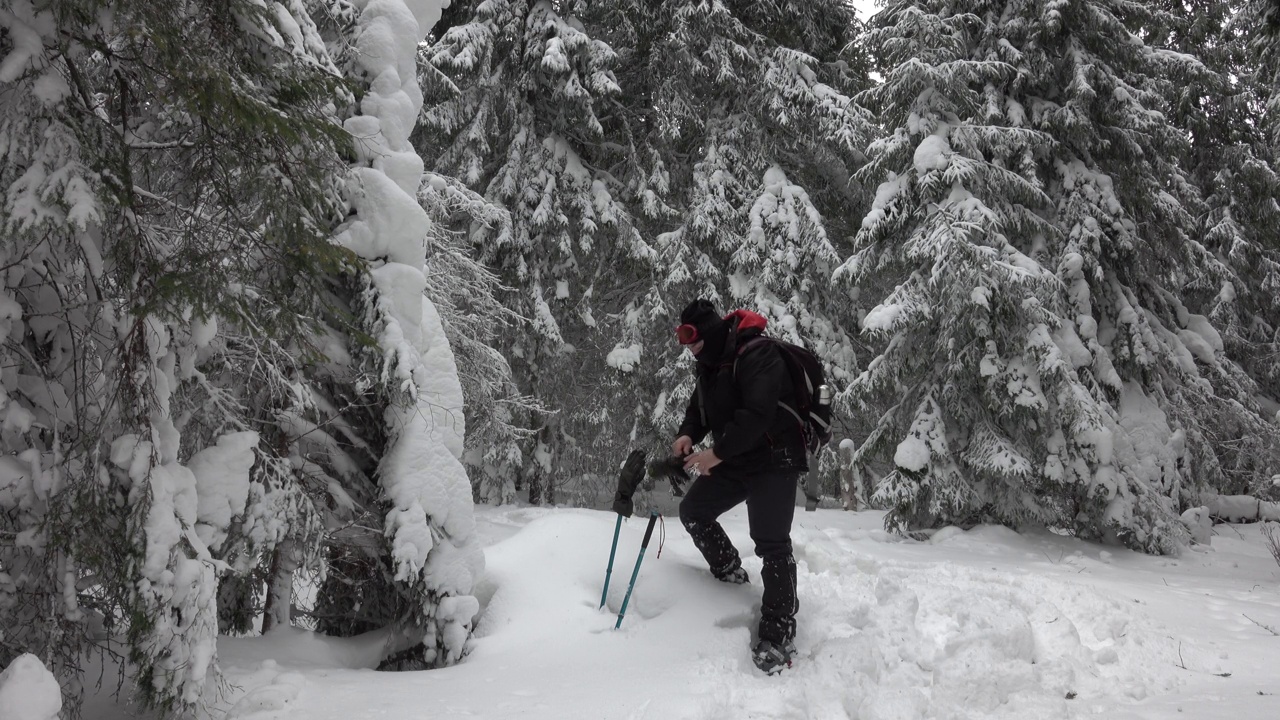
757, 456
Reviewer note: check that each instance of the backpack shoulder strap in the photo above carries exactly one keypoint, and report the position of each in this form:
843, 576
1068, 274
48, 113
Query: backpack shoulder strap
751, 344
760, 341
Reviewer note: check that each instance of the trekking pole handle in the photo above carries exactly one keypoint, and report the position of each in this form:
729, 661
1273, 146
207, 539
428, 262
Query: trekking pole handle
648, 532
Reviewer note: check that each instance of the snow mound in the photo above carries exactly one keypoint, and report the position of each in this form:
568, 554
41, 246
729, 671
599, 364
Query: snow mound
984, 624
274, 691
28, 691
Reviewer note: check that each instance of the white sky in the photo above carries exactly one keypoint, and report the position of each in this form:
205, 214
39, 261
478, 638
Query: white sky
866, 8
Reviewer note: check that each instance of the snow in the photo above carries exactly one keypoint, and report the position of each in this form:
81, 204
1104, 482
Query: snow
430, 525
1147, 447
882, 318
1069, 342
1238, 508
28, 691
981, 296
27, 29
980, 624
222, 484
933, 153
885, 194
203, 331
1199, 522
925, 439
391, 226
625, 358
912, 454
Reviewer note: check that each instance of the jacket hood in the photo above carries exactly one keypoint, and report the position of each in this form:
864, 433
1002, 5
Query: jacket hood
747, 320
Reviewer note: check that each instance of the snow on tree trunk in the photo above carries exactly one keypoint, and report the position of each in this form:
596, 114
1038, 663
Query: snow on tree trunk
276, 611
176, 580
431, 525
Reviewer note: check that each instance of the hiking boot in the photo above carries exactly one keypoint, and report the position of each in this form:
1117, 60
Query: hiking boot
736, 576
773, 658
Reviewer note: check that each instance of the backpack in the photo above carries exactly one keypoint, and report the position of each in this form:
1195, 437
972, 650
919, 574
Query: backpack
806, 377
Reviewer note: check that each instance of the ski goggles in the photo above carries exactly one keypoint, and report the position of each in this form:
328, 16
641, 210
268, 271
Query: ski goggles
687, 334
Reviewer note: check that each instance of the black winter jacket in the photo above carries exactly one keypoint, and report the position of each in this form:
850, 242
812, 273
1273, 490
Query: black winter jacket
740, 408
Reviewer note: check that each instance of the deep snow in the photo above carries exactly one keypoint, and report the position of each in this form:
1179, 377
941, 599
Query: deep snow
987, 623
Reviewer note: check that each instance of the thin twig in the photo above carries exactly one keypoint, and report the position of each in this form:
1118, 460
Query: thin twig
1264, 627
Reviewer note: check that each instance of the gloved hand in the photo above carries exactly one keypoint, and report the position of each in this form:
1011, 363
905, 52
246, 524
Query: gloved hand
670, 468
628, 480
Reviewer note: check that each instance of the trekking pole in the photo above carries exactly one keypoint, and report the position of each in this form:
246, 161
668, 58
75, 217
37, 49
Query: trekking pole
644, 544
612, 550
628, 481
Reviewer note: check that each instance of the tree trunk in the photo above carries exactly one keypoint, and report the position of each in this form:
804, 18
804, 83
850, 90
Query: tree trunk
850, 478
276, 609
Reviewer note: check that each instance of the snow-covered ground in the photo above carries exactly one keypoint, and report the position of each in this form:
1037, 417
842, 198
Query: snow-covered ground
981, 624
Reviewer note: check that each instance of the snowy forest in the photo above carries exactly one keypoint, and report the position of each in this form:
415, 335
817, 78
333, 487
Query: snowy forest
288, 288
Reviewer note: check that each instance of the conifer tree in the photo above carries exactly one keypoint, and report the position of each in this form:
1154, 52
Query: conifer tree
201, 388
168, 173
514, 113
469, 298
747, 108
1082, 395
418, 579
1231, 162
1258, 23
716, 140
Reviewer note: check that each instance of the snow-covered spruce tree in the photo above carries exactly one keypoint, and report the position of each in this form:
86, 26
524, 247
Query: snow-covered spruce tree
1128, 204
467, 295
970, 387
746, 107
1233, 165
1258, 22
514, 112
1104, 430
168, 180
422, 590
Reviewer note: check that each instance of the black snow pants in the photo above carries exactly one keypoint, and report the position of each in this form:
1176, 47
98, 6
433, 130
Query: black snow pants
771, 505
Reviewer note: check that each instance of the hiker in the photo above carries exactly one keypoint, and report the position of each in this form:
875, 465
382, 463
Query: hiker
757, 455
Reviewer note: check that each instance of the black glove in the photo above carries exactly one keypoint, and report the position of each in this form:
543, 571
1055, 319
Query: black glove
628, 480
670, 468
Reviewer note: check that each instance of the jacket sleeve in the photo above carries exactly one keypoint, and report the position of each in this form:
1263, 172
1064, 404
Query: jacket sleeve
759, 377
692, 425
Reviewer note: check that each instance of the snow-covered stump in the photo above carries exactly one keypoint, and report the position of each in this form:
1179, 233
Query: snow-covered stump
431, 525
1200, 524
850, 476
28, 691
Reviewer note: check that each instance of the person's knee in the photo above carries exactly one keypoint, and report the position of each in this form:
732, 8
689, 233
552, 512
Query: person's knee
689, 514
775, 550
